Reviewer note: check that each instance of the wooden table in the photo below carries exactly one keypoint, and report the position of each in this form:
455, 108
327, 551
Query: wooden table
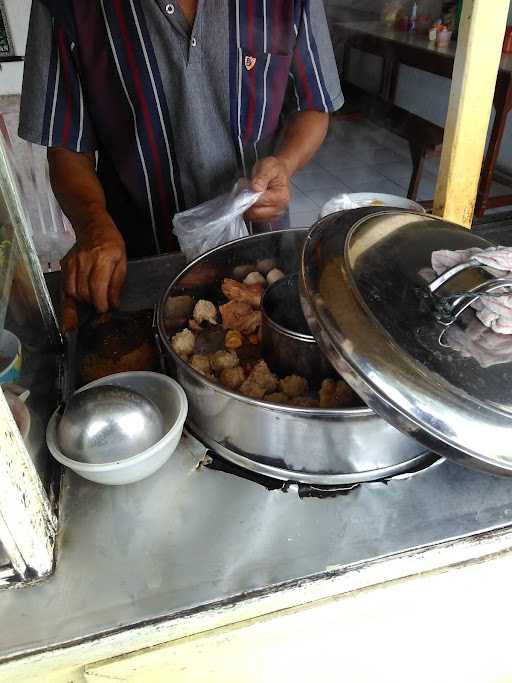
397, 48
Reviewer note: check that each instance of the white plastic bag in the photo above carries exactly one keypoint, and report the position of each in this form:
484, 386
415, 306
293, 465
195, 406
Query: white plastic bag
341, 202
215, 222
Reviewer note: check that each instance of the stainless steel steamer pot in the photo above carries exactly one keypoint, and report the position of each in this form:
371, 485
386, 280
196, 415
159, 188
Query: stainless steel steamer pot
313, 446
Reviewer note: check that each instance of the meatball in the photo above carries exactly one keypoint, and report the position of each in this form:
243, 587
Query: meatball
232, 378
201, 364
274, 275
265, 265
223, 360
183, 343
327, 394
239, 272
254, 278
205, 311
176, 311
294, 386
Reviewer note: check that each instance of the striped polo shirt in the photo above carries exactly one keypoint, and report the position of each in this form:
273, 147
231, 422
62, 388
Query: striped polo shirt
176, 114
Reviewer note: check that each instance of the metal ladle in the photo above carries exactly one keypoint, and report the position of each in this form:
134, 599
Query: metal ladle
108, 423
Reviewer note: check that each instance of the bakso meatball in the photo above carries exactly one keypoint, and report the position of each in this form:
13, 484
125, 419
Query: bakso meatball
255, 278
232, 378
274, 275
294, 386
183, 343
201, 364
223, 360
265, 265
205, 311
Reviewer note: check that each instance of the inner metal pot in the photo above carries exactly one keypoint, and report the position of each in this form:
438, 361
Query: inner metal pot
288, 347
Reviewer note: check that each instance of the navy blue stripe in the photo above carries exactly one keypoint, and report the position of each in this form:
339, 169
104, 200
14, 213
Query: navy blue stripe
159, 175
234, 57
163, 105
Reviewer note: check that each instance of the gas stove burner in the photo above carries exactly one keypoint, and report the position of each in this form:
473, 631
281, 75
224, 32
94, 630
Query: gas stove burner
213, 461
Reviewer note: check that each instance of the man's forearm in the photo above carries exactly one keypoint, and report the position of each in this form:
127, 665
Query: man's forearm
95, 268
77, 188
302, 138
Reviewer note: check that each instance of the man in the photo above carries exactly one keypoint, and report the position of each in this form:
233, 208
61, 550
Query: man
150, 107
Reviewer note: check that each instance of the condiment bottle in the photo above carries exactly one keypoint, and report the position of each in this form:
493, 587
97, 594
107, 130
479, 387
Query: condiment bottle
413, 18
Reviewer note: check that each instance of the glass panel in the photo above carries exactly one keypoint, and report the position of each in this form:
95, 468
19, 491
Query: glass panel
29, 338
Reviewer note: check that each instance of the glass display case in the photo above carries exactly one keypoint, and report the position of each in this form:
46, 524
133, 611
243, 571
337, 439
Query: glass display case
30, 359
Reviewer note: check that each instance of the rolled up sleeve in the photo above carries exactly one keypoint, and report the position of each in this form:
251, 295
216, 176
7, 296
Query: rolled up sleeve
314, 74
53, 108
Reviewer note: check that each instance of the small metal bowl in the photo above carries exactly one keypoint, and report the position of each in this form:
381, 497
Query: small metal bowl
288, 346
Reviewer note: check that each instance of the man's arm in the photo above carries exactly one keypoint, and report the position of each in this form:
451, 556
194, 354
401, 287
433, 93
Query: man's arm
303, 136
95, 269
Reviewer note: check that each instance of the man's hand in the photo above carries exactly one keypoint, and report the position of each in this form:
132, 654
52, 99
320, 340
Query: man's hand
95, 269
272, 177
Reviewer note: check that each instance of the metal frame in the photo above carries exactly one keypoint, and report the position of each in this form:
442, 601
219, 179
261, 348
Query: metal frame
28, 525
3, 16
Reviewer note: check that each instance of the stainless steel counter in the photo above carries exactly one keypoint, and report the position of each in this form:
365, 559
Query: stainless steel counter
186, 538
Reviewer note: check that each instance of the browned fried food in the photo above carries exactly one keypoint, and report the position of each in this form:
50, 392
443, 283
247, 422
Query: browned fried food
243, 293
278, 397
252, 389
223, 360
294, 386
232, 378
345, 396
327, 394
261, 375
237, 315
201, 364
336, 395
304, 402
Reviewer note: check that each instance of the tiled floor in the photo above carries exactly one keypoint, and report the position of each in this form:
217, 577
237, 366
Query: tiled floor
358, 156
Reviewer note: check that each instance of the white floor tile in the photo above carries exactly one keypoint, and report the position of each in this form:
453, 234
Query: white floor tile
320, 197
399, 172
314, 180
497, 189
383, 186
427, 188
300, 202
349, 176
303, 219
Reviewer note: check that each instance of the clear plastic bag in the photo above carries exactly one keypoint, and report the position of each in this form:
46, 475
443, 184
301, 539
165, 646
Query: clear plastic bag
215, 222
340, 203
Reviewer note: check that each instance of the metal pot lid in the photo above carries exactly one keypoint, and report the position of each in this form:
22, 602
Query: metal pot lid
405, 341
